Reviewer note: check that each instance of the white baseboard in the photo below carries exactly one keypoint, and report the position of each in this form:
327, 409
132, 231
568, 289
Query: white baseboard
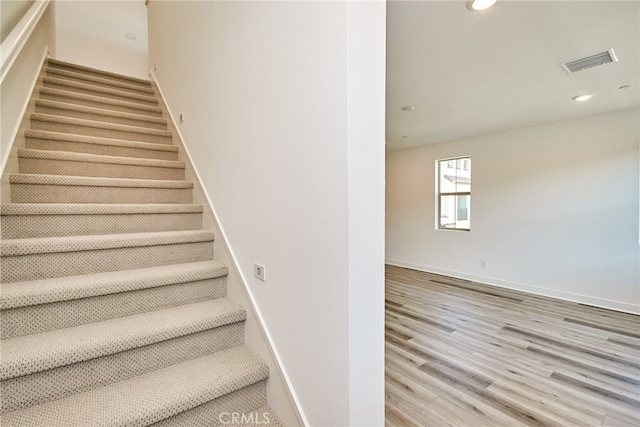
566, 296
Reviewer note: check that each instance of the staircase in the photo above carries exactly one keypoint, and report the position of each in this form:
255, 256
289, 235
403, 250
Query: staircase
113, 309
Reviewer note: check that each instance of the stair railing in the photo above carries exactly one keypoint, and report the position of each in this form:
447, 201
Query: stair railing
16, 39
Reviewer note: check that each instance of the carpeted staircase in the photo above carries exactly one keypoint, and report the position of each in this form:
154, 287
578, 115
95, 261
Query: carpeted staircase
113, 309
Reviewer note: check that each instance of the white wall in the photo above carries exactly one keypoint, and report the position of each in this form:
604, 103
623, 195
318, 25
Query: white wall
284, 119
366, 82
92, 33
554, 210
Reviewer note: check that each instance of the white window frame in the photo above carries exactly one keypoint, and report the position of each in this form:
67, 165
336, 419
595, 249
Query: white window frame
462, 161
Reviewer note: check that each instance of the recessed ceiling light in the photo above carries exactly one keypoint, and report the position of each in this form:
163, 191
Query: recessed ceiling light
408, 108
582, 98
478, 5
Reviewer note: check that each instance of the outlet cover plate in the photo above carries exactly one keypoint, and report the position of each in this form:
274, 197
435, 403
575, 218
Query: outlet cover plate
259, 272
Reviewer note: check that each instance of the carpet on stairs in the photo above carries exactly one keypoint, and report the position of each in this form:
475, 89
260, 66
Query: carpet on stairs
113, 309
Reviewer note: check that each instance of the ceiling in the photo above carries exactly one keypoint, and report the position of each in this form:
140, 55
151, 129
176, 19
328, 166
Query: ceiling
476, 73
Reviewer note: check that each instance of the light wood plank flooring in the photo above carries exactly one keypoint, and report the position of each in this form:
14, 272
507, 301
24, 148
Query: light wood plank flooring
460, 353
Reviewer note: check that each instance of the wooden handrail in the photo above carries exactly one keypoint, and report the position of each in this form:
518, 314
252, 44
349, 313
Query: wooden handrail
17, 38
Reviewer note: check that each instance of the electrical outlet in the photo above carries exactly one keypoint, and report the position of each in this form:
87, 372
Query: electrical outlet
483, 264
130, 35
259, 272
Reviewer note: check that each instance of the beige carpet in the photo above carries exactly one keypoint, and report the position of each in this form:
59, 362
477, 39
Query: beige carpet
113, 311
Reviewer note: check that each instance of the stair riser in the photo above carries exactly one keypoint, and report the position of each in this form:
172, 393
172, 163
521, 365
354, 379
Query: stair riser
105, 170
106, 150
100, 117
104, 93
98, 132
96, 103
65, 314
67, 380
218, 412
91, 73
63, 264
30, 226
101, 82
32, 193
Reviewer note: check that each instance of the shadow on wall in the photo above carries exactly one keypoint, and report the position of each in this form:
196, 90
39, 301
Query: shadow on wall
11, 12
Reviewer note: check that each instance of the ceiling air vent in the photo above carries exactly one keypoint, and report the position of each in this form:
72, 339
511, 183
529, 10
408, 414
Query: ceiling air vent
590, 61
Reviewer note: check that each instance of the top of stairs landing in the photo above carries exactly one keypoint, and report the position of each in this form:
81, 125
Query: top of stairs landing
56, 63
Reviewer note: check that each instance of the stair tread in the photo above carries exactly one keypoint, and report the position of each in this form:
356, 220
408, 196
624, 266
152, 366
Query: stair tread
84, 109
58, 62
66, 74
98, 124
150, 397
41, 179
47, 350
70, 137
40, 245
99, 99
95, 209
44, 291
100, 89
97, 158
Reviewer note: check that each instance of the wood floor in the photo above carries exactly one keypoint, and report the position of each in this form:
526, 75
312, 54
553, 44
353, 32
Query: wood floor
459, 353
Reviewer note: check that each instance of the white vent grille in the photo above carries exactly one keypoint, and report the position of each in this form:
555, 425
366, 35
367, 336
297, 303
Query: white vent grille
590, 61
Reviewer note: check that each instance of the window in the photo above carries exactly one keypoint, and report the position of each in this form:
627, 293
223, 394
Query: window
454, 193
